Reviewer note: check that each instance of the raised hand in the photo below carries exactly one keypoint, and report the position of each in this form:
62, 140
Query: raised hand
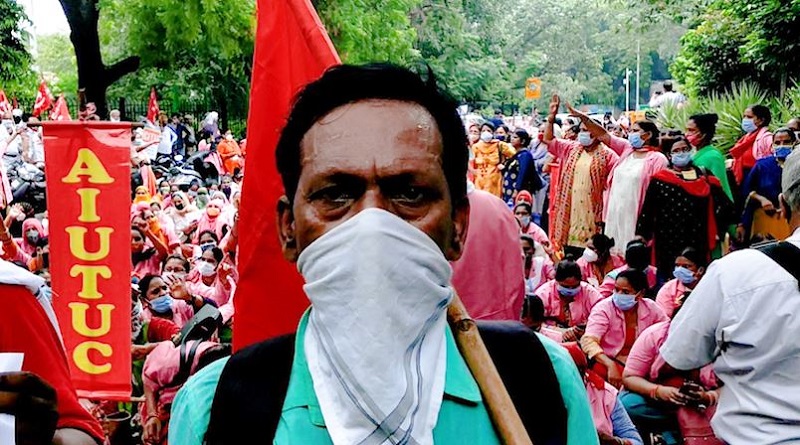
576, 113
555, 104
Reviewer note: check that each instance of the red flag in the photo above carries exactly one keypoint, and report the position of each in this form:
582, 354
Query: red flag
152, 107
60, 110
4, 105
88, 169
292, 49
44, 100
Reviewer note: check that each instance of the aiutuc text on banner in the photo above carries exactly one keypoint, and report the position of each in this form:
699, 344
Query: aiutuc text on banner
88, 197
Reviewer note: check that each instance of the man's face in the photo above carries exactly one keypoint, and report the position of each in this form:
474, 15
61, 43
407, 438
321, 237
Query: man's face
373, 154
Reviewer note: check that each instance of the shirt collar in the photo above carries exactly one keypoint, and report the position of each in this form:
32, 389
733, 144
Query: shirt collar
459, 385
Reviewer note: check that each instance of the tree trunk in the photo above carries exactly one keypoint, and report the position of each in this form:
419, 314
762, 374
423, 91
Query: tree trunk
93, 76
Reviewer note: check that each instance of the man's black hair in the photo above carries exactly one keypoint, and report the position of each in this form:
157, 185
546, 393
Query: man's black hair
667, 85
346, 84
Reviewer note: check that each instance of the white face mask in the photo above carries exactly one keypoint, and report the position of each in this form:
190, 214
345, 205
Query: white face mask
487, 136
589, 255
205, 269
393, 346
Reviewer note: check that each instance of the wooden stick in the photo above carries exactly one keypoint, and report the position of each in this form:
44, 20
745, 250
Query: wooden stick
501, 409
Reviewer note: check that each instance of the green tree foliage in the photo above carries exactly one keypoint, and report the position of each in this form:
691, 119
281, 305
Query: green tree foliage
16, 76
55, 59
734, 41
729, 106
370, 30
189, 49
485, 50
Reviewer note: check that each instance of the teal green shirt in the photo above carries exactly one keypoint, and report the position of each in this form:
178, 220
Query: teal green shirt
462, 414
713, 160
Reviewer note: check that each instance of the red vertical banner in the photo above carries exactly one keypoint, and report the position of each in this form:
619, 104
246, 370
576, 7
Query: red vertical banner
87, 165
292, 49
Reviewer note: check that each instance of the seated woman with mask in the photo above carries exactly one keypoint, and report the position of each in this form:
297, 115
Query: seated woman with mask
168, 298
654, 391
597, 260
637, 256
539, 269
689, 268
568, 301
616, 322
212, 277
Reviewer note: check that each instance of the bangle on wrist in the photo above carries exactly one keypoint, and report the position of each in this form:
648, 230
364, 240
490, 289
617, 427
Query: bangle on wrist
654, 392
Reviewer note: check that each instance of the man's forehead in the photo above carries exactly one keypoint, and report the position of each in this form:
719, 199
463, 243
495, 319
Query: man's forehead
403, 129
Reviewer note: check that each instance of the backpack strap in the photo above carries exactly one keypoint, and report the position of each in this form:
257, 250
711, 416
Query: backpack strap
528, 375
187, 358
250, 393
786, 254
252, 388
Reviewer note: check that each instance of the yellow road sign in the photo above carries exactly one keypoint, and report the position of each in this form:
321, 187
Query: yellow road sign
533, 88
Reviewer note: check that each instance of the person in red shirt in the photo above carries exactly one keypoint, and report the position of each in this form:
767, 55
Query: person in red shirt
41, 396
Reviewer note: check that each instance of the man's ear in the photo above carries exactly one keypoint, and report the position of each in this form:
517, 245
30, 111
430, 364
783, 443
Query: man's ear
460, 228
286, 229
785, 209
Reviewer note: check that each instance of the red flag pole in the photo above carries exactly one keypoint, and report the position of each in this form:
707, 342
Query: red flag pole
292, 49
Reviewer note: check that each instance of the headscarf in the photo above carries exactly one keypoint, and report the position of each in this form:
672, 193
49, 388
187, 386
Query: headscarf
202, 200
181, 219
211, 223
29, 224
139, 198
188, 207
524, 197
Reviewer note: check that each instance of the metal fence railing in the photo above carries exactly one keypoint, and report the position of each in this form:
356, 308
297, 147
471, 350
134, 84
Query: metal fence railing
234, 118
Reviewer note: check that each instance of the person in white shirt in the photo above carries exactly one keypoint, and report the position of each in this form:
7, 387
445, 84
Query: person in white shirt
669, 97
743, 318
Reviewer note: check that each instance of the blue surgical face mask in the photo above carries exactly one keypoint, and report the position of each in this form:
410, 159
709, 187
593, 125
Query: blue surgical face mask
783, 151
682, 159
623, 301
749, 125
636, 140
500, 137
684, 275
525, 220
585, 138
162, 304
567, 291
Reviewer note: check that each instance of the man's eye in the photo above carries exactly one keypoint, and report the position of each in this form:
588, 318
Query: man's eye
410, 195
333, 194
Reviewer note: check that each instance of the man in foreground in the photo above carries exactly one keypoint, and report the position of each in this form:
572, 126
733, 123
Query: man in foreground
743, 318
373, 161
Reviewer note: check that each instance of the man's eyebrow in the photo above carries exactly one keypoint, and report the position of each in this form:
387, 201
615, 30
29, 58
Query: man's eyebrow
340, 177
